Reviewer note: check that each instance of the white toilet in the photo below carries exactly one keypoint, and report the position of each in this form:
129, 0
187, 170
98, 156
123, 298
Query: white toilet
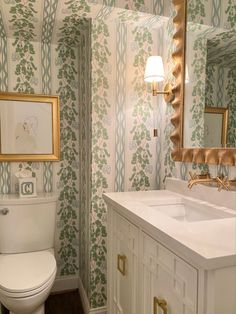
27, 263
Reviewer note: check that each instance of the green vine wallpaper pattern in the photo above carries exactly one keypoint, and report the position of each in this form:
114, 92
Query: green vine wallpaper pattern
3, 52
26, 66
141, 112
168, 164
23, 24
68, 197
100, 154
85, 156
5, 182
231, 104
198, 91
22, 20
210, 76
196, 11
196, 14
65, 66
231, 14
136, 5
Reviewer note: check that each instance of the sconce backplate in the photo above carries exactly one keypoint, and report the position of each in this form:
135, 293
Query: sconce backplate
168, 96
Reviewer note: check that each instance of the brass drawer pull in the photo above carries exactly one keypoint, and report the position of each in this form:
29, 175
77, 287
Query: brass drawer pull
121, 259
160, 302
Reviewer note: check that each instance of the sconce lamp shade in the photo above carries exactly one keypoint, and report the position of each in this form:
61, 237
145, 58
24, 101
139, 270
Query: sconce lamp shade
154, 71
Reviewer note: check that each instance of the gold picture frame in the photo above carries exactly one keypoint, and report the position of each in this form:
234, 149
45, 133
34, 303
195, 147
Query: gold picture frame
222, 113
225, 156
29, 127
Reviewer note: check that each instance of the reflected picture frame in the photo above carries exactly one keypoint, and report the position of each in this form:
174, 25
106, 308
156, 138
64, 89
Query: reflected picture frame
218, 117
30, 119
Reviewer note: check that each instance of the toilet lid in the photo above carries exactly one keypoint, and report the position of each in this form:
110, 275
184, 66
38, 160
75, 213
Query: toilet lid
25, 271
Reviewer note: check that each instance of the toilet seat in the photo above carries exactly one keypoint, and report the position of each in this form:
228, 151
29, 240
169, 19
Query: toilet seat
26, 274
31, 293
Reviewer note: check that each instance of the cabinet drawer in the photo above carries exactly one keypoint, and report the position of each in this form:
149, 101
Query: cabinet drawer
123, 259
165, 276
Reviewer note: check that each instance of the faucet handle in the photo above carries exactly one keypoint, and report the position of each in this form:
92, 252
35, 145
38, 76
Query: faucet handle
223, 182
193, 176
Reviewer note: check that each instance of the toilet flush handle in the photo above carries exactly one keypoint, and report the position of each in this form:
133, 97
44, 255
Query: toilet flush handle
4, 211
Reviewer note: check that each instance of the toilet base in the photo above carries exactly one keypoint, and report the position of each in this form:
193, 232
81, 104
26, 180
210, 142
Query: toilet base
39, 310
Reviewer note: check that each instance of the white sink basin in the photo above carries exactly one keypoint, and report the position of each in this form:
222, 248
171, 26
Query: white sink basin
191, 211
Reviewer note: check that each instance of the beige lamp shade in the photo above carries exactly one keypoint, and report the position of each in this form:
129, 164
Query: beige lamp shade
154, 71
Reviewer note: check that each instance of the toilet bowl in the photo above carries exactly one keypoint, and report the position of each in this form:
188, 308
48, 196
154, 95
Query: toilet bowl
26, 280
27, 263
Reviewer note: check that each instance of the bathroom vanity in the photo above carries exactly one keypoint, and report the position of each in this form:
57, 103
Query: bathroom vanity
172, 251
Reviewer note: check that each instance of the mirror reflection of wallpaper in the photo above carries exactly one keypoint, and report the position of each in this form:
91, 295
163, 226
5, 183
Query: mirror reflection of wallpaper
221, 77
211, 25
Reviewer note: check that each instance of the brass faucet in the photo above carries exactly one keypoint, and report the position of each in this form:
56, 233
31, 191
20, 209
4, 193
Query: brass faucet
205, 178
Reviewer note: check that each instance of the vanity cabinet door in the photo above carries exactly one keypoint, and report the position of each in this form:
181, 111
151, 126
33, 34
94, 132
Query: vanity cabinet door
169, 284
123, 266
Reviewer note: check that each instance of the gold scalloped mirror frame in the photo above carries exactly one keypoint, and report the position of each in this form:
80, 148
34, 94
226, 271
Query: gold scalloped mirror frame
224, 156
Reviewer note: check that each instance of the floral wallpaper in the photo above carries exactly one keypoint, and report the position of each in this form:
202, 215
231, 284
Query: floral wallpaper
85, 156
68, 171
141, 135
31, 72
66, 34
93, 54
100, 156
122, 115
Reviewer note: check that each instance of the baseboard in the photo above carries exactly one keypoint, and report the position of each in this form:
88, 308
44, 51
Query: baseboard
83, 296
65, 283
85, 301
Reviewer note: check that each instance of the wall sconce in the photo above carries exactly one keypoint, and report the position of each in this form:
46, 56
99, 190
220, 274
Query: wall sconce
154, 73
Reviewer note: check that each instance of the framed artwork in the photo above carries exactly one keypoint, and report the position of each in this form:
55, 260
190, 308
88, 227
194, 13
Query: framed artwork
29, 127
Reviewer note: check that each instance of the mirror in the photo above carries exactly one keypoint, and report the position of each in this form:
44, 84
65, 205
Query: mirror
210, 73
29, 127
205, 72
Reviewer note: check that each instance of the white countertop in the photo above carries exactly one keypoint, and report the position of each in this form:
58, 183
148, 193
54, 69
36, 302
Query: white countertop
207, 244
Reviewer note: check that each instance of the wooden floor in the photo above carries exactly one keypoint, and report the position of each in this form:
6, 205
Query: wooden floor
64, 303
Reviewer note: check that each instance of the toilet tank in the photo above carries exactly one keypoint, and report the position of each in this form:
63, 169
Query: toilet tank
27, 224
